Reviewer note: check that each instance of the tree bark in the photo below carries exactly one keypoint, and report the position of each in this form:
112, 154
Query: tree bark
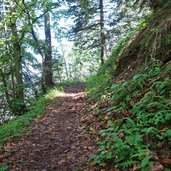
47, 63
7, 96
102, 33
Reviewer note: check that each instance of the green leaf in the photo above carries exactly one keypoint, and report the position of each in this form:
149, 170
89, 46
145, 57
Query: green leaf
145, 161
168, 133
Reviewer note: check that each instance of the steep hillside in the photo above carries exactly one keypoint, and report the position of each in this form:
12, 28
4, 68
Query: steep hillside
134, 108
151, 40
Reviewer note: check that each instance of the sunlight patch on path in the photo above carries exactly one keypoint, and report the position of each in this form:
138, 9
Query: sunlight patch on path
72, 95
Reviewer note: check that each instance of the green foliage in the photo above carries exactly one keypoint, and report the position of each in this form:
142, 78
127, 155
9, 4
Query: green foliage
99, 84
18, 125
141, 113
3, 168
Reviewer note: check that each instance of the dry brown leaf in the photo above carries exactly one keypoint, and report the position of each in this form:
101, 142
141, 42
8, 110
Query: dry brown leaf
157, 167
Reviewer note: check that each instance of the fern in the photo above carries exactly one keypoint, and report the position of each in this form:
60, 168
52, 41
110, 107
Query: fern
128, 141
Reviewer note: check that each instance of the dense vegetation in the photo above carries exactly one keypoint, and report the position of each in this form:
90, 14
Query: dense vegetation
136, 115
122, 49
134, 100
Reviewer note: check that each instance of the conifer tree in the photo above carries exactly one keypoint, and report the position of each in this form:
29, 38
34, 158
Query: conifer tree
89, 29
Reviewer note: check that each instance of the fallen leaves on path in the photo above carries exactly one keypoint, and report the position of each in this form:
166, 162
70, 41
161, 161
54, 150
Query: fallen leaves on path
58, 140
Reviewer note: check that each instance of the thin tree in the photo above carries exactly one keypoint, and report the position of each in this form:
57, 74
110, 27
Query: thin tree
102, 33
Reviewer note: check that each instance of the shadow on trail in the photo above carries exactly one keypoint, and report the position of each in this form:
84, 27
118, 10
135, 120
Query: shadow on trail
58, 141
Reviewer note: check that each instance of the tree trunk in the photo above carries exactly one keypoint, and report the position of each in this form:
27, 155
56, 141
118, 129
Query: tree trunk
102, 33
19, 95
47, 63
46, 81
65, 64
7, 96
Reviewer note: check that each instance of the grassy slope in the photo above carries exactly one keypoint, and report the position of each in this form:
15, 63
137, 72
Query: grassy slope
134, 115
20, 124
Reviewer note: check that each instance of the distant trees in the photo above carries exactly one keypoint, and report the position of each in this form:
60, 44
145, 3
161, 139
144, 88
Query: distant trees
89, 28
99, 25
26, 34
18, 36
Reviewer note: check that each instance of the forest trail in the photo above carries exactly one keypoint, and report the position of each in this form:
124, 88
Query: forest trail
57, 141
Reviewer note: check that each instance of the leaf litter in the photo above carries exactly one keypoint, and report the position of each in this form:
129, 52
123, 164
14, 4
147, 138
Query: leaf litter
58, 140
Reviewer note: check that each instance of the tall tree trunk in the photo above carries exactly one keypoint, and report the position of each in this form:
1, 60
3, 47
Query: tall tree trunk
47, 63
5, 86
20, 105
65, 64
66, 69
58, 72
12, 82
102, 33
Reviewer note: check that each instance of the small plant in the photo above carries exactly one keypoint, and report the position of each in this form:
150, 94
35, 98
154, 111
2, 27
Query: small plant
3, 167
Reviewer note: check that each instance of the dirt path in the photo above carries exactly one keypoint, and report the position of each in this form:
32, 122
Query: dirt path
58, 141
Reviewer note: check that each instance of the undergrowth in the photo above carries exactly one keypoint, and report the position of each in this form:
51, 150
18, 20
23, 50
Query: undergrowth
138, 133
19, 125
3, 167
99, 84
135, 115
